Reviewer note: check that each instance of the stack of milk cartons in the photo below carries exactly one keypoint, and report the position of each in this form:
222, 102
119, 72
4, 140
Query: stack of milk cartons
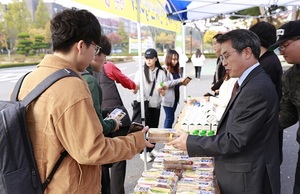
198, 118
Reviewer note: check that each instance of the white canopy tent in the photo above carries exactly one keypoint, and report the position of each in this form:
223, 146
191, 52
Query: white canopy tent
190, 10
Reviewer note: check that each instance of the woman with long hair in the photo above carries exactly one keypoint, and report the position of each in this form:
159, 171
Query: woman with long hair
174, 80
152, 74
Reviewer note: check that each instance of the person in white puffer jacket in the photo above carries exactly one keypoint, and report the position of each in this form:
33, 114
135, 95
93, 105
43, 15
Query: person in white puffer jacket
198, 59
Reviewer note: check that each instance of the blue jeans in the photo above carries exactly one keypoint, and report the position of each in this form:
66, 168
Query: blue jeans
170, 115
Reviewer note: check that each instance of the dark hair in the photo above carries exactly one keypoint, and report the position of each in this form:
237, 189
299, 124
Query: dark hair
168, 61
266, 33
241, 39
198, 53
70, 26
217, 36
105, 45
146, 70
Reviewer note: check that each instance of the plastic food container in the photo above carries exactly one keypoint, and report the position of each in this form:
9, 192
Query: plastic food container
161, 135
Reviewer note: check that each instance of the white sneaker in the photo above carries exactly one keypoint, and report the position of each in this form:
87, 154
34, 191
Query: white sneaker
148, 157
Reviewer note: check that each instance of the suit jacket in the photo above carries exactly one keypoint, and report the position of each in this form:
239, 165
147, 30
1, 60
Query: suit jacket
246, 145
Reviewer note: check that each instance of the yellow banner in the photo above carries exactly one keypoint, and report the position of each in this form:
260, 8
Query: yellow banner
152, 11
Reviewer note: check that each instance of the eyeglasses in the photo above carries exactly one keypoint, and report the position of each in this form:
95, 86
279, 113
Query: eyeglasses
285, 45
224, 57
97, 48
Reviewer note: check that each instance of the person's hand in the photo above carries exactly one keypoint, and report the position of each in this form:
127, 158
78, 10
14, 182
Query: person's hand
206, 98
164, 87
180, 142
118, 125
148, 144
137, 87
161, 91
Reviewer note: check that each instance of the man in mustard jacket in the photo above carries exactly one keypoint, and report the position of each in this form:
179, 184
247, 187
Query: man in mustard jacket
63, 117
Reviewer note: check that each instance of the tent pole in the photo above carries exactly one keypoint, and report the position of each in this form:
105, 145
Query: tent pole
183, 51
138, 3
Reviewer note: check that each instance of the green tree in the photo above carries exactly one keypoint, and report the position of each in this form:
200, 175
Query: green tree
18, 15
166, 40
208, 36
115, 40
124, 37
2, 35
44, 32
153, 31
16, 20
121, 32
39, 44
24, 44
41, 15
269, 14
254, 11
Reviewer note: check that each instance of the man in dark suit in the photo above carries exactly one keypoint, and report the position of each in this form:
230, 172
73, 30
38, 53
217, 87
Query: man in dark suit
246, 144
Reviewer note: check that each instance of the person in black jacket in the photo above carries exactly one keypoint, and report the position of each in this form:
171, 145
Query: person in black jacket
269, 60
220, 69
288, 44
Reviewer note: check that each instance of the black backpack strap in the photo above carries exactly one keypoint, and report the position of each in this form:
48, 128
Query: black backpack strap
46, 83
14, 95
59, 161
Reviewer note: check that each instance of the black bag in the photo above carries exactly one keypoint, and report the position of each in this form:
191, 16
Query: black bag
18, 171
136, 111
136, 105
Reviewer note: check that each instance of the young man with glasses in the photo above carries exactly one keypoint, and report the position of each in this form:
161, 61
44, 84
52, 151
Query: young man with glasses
113, 175
288, 44
63, 117
245, 147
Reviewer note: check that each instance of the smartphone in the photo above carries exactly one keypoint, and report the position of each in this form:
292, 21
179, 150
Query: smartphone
117, 114
186, 80
134, 127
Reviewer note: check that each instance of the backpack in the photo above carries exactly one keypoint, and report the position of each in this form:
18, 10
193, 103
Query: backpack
18, 170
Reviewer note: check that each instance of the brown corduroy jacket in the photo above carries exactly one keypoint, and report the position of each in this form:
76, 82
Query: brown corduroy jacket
63, 118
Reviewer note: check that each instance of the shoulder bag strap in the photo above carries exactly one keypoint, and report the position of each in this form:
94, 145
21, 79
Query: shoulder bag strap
14, 95
153, 85
57, 164
46, 83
